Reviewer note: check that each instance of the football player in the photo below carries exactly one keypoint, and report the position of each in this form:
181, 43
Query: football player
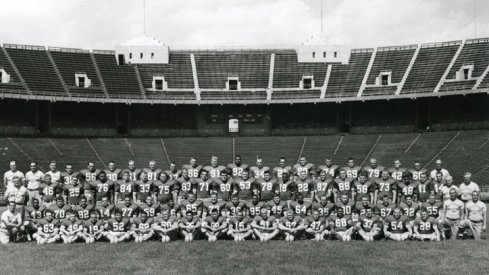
247, 185
68, 174
214, 226
396, 226
144, 188
417, 170
373, 170
343, 185
438, 184
74, 191
385, 207
345, 204
133, 172
54, 172
324, 206
264, 226
112, 172
60, 208
363, 187
291, 226
151, 208
240, 227
90, 173
426, 228
386, 186
165, 189
425, 187
234, 206
268, 187
173, 208
83, 209
214, 203
254, 206
203, 185
369, 225
324, 186
214, 169
329, 168
277, 207
118, 228
258, 171
125, 187
153, 172
361, 208
305, 186
173, 172
93, 229
34, 213
128, 209
224, 186
301, 207
279, 170
166, 226
185, 184
192, 205
341, 226
47, 229
103, 188
189, 226
315, 226
303, 166
237, 167
71, 228
105, 210
351, 169
434, 208
49, 191
142, 228
410, 209
407, 187
192, 168
397, 171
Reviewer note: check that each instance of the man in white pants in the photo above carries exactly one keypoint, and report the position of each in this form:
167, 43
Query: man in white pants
475, 216
33, 180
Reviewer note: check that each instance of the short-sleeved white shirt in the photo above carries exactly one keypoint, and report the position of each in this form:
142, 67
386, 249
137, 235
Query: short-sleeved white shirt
9, 175
444, 173
33, 179
467, 189
8, 216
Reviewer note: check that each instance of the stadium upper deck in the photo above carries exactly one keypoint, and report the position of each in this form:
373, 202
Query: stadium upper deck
245, 76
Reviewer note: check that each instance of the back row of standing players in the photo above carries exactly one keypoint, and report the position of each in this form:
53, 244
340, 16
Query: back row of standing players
372, 181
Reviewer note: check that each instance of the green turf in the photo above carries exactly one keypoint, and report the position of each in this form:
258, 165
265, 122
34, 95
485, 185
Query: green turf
226, 257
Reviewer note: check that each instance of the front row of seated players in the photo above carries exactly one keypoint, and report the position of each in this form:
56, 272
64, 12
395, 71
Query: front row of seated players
236, 220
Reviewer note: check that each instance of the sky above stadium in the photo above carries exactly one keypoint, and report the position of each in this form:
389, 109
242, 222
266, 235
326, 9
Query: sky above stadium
97, 24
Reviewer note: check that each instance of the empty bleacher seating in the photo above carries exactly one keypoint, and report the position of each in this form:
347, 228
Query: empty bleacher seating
251, 67
120, 80
7, 67
177, 73
288, 72
36, 69
345, 80
71, 61
233, 95
430, 65
389, 59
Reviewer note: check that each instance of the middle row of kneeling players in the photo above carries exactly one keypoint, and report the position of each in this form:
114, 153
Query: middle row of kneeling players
235, 220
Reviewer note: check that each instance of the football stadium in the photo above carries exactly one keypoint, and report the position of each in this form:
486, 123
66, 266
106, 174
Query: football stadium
320, 157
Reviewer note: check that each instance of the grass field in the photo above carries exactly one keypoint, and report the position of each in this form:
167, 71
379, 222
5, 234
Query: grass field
226, 257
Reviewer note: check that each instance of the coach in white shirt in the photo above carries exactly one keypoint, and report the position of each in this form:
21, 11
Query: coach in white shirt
32, 181
444, 172
10, 223
445, 189
54, 173
468, 187
9, 175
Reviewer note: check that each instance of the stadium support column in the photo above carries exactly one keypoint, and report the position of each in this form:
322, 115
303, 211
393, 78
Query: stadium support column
195, 77
270, 77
